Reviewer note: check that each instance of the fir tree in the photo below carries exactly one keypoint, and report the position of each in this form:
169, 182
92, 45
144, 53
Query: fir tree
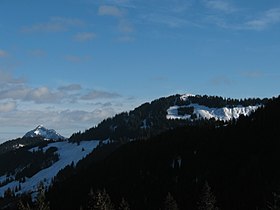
100, 200
276, 203
170, 203
207, 199
41, 201
124, 205
21, 206
9, 193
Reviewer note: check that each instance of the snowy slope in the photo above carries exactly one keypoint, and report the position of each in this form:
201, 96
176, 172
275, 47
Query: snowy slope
41, 131
68, 153
205, 112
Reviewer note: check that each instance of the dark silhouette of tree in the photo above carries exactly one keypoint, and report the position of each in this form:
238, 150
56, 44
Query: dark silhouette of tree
275, 205
170, 203
40, 203
100, 200
9, 193
21, 206
207, 199
124, 205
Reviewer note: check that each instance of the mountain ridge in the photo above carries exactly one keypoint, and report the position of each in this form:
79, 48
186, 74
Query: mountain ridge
151, 118
41, 131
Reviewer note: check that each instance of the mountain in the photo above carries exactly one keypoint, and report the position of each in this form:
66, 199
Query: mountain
41, 131
31, 138
170, 112
113, 152
238, 162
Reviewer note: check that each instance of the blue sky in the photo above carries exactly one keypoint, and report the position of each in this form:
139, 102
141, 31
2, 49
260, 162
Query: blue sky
69, 64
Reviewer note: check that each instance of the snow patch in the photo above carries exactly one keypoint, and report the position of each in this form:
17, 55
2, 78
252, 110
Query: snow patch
205, 112
17, 146
145, 124
68, 153
184, 97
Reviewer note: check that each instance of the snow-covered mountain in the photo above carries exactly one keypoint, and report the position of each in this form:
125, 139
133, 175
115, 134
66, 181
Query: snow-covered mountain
41, 131
197, 111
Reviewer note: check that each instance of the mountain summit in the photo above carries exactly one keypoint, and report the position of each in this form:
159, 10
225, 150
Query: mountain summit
41, 131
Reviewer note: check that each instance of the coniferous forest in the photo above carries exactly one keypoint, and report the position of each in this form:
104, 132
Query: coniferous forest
234, 166
203, 166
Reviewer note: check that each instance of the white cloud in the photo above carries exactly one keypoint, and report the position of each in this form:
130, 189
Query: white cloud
239, 18
168, 20
43, 95
220, 5
265, 20
84, 36
122, 3
7, 78
66, 121
54, 24
180, 6
71, 87
15, 92
3, 53
37, 95
97, 94
110, 11
15, 89
125, 26
8, 106
23, 107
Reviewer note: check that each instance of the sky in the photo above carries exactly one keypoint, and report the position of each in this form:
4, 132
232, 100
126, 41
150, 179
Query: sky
69, 64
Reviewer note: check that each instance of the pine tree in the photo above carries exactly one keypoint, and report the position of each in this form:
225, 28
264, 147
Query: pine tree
124, 205
21, 206
9, 193
276, 203
208, 199
100, 200
170, 203
41, 201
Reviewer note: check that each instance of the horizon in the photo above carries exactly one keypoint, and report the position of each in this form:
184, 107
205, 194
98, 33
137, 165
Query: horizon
68, 135
70, 64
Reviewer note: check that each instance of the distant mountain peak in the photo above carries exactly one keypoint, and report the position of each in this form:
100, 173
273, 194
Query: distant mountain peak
41, 131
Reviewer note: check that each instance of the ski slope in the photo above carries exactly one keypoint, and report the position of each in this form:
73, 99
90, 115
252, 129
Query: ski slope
68, 153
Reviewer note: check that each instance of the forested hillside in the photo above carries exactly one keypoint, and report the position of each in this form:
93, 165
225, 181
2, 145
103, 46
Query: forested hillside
236, 164
151, 119
180, 150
